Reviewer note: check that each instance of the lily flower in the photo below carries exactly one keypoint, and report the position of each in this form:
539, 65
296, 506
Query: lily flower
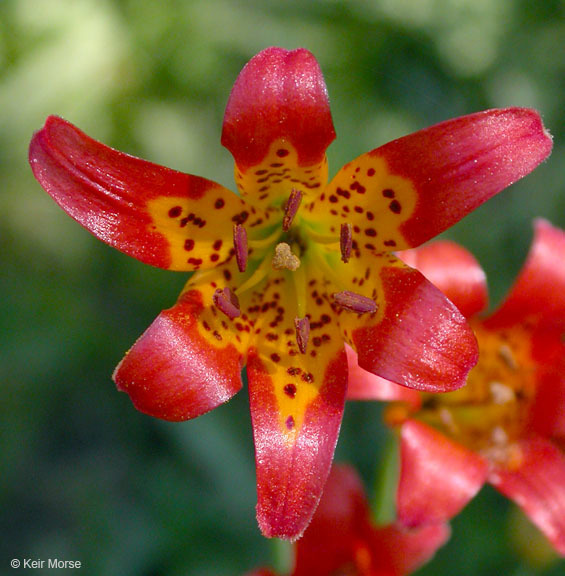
292, 267
342, 539
507, 425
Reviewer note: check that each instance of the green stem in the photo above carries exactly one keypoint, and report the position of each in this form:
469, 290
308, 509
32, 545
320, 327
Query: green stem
386, 482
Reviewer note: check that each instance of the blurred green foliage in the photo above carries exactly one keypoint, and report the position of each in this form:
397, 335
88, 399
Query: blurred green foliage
84, 476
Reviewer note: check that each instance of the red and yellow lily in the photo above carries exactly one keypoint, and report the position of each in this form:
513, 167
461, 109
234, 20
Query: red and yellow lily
292, 267
507, 425
342, 539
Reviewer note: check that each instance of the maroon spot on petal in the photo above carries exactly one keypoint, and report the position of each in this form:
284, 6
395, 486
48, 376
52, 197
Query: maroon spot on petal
261, 172
195, 261
358, 187
370, 215
214, 257
188, 244
275, 357
241, 217
388, 193
271, 336
227, 275
282, 152
390, 243
370, 232
290, 390
344, 193
370, 172
217, 245
175, 212
333, 198
219, 203
358, 209
395, 207
290, 422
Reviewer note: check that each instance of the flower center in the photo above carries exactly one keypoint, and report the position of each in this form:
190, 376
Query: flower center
488, 415
284, 250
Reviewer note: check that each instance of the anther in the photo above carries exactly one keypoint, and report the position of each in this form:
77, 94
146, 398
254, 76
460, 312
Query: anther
284, 258
355, 302
302, 326
240, 245
505, 353
291, 208
345, 241
227, 302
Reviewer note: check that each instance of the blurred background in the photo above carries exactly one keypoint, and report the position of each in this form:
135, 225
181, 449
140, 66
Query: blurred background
86, 477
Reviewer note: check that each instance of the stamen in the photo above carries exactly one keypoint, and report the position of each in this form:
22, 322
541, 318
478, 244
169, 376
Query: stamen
355, 302
505, 353
284, 258
227, 302
291, 208
302, 326
240, 245
501, 394
258, 276
345, 241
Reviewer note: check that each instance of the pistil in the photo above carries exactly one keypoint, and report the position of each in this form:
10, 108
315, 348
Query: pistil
284, 258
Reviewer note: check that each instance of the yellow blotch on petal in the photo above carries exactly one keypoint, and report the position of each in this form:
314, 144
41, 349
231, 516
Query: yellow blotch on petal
374, 201
199, 231
272, 181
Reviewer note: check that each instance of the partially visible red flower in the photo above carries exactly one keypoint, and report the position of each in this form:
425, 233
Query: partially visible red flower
292, 267
507, 425
342, 540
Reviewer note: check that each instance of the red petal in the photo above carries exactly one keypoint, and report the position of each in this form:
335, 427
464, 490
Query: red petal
455, 271
279, 95
293, 464
422, 341
456, 165
341, 521
364, 385
539, 291
547, 415
173, 372
341, 537
437, 476
538, 487
398, 551
157, 215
